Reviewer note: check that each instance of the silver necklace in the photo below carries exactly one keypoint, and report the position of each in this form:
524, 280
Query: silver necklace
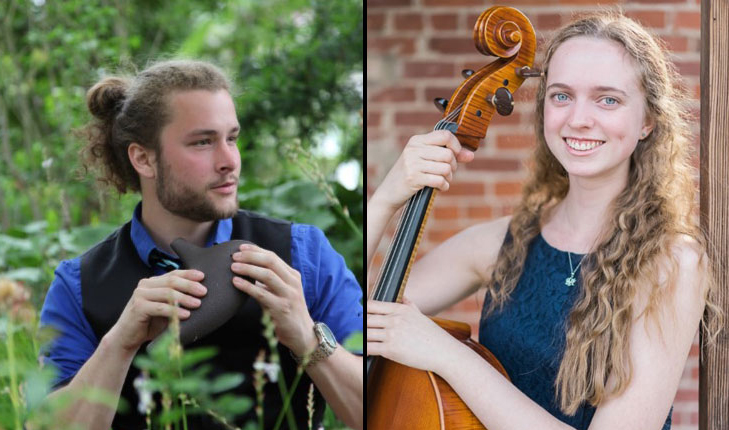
570, 281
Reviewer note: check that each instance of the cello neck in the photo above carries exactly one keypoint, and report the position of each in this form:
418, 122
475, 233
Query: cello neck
393, 275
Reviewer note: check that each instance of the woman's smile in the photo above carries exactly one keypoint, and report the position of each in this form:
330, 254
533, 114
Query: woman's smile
581, 146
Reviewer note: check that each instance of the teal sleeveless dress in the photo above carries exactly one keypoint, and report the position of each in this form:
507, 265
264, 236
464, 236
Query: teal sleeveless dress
528, 334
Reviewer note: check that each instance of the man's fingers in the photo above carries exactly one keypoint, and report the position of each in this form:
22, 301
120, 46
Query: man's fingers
251, 254
261, 274
259, 292
168, 295
175, 282
161, 309
191, 274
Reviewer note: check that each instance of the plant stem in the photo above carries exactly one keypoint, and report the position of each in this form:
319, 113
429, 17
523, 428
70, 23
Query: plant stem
14, 393
340, 210
287, 400
310, 167
182, 401
285, 394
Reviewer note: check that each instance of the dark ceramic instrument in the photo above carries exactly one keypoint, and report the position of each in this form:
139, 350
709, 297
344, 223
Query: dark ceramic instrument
223, 299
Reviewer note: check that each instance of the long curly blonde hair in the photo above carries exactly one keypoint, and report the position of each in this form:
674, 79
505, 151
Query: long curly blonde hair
645, 220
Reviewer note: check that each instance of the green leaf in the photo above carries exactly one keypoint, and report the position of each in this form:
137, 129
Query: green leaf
226, 382
354, 342
144, 362
197, 355
231, 404
25, 274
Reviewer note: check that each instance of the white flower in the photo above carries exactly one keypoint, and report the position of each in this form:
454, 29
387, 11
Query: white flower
271, 369
48, 162
145, 396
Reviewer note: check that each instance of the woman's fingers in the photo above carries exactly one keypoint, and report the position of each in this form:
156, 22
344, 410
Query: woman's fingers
443, 138
376, 335
376, 321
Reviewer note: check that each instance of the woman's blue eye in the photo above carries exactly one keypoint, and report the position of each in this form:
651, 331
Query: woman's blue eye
610, 101
560, 97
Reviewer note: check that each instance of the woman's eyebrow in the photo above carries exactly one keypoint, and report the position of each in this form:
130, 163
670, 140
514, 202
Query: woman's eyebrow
600, 88
611, 89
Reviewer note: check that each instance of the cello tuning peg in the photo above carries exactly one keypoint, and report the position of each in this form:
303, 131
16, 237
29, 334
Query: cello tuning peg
528, 72
466, 73
503, 101
440, 103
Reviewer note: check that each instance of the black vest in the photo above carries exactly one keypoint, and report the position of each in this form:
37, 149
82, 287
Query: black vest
110, 272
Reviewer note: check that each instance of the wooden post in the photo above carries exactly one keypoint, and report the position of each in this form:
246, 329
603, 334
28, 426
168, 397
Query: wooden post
714, 362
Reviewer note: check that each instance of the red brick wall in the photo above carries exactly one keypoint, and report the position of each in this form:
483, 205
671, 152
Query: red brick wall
415, 51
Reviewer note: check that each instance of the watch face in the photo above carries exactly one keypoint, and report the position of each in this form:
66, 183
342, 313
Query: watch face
327, 335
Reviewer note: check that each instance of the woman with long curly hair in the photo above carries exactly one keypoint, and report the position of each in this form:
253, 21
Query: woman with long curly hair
597, 283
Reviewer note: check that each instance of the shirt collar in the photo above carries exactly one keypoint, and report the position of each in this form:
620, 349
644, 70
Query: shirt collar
221, 232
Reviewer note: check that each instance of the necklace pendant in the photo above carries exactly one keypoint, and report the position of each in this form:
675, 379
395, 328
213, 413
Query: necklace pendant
570, 281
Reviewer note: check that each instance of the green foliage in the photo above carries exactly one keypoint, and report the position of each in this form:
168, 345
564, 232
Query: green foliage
183, 378
25, 381
296, 65
30, 252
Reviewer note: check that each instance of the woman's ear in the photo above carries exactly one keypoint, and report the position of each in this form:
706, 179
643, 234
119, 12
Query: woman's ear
143, 160
648, 126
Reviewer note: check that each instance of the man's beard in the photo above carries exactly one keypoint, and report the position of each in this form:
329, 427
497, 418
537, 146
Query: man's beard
185, 202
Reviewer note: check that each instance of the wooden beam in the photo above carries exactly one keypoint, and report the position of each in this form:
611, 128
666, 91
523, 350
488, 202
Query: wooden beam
714, 362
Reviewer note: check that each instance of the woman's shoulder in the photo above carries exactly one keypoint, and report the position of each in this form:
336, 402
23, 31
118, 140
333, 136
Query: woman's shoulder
684, 259
484, 241
683, 277
687, 251
485, 234
691, 265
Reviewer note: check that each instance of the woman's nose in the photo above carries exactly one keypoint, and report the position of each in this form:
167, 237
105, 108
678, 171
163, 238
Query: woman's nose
580, 116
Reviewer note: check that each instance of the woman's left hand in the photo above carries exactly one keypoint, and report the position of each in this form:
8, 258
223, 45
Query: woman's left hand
401, 333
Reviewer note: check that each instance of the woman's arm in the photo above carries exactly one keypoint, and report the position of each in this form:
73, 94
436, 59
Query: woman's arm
428, 160
456, 268
659, 357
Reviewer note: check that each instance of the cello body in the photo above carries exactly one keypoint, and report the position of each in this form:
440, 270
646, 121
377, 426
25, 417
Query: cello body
418, 399
400, 397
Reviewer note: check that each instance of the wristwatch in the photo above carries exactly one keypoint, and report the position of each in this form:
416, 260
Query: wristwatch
327, 345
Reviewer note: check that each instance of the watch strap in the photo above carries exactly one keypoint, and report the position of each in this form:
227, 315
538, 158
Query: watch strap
321, 352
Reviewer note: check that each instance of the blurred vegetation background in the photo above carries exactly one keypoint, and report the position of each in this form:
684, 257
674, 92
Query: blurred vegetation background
297, 67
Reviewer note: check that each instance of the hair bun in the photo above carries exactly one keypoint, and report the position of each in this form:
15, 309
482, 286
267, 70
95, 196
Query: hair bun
105, 99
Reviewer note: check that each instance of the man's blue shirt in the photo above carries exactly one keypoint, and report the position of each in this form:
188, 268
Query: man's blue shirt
331, 292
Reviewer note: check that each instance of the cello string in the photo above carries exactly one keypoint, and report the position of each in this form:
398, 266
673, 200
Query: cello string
384, 282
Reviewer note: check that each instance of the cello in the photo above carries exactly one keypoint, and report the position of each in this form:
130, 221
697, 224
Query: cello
400, 397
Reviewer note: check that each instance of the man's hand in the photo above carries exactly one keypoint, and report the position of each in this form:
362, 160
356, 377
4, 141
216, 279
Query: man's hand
277, 289
153, 303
